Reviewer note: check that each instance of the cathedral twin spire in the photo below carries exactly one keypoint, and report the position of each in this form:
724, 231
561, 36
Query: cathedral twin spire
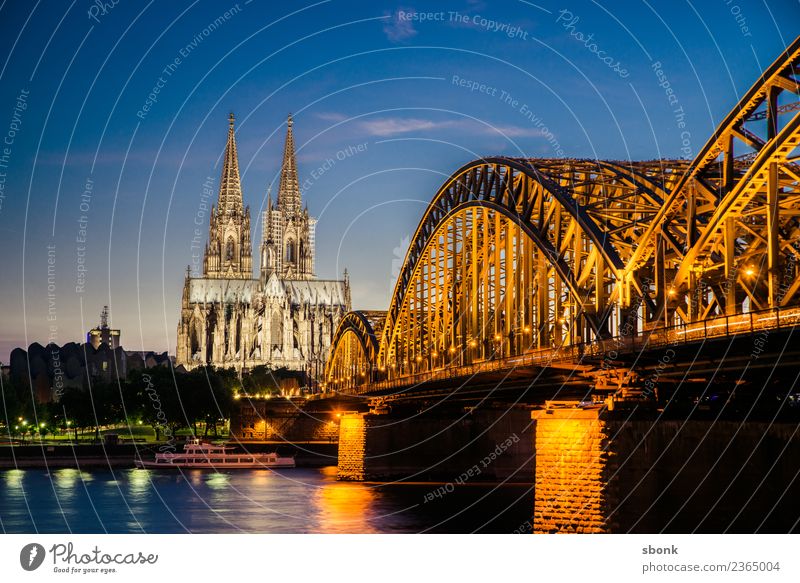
289, 189
229, 251
288, 242
230, 188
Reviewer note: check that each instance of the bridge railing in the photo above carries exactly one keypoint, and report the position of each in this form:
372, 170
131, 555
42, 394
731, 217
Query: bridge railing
720, 326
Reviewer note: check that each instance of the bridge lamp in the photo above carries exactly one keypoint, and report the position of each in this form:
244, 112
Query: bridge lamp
434, 354
497, 336
452, 349
527, 329
672, 292
561, 320
419, 359
42, 424
472, 344
749, 272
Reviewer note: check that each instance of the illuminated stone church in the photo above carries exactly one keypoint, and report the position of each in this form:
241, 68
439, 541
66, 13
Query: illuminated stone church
285, 317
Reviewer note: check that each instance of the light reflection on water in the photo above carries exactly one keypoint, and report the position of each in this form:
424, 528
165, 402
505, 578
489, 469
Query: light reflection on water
284, 501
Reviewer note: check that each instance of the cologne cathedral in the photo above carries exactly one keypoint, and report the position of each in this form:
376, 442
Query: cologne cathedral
285, 317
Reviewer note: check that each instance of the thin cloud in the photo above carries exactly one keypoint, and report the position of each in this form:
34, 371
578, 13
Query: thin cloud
397, 30
389, 126
513, 131
392, 126
332, 116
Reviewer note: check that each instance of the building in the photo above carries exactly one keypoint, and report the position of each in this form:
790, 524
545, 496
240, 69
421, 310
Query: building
103, 334
49, 370
285, 317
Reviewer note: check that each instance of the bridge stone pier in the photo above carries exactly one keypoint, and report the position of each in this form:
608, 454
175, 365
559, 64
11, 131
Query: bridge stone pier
473, 446
613, 471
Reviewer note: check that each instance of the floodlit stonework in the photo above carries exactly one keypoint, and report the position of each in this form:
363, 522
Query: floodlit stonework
285, 317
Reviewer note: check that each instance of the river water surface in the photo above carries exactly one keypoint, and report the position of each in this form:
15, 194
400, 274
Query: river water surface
299, 500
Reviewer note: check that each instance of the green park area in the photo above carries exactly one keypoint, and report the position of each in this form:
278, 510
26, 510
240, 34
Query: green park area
146, 406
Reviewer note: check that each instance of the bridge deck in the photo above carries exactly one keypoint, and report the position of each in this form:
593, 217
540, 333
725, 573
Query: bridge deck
586, 357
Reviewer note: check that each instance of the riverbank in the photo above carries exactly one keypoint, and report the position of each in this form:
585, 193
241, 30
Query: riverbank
84, 456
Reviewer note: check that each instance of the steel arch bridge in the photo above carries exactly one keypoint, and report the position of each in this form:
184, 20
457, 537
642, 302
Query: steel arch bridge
539, 259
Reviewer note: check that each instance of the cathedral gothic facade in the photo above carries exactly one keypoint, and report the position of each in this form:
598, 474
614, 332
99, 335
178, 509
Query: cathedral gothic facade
285, 317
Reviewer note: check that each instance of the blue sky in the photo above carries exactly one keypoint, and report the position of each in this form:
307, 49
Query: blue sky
388, 100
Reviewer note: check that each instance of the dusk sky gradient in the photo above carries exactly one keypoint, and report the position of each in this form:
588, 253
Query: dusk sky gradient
380, 123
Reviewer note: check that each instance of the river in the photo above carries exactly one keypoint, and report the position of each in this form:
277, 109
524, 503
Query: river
299, 500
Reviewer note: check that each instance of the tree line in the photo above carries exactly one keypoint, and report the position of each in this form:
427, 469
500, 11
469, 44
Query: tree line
167, 400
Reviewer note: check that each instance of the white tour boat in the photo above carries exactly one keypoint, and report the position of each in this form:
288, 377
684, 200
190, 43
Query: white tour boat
217, 457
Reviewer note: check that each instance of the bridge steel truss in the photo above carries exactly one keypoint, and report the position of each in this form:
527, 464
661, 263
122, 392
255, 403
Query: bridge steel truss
517, 255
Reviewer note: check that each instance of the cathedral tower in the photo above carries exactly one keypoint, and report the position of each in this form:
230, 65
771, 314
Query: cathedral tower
229, 251
287, 248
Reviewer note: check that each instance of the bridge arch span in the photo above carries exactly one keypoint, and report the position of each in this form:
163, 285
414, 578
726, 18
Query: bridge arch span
531, 251
730, 217
354, 349
518, 256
